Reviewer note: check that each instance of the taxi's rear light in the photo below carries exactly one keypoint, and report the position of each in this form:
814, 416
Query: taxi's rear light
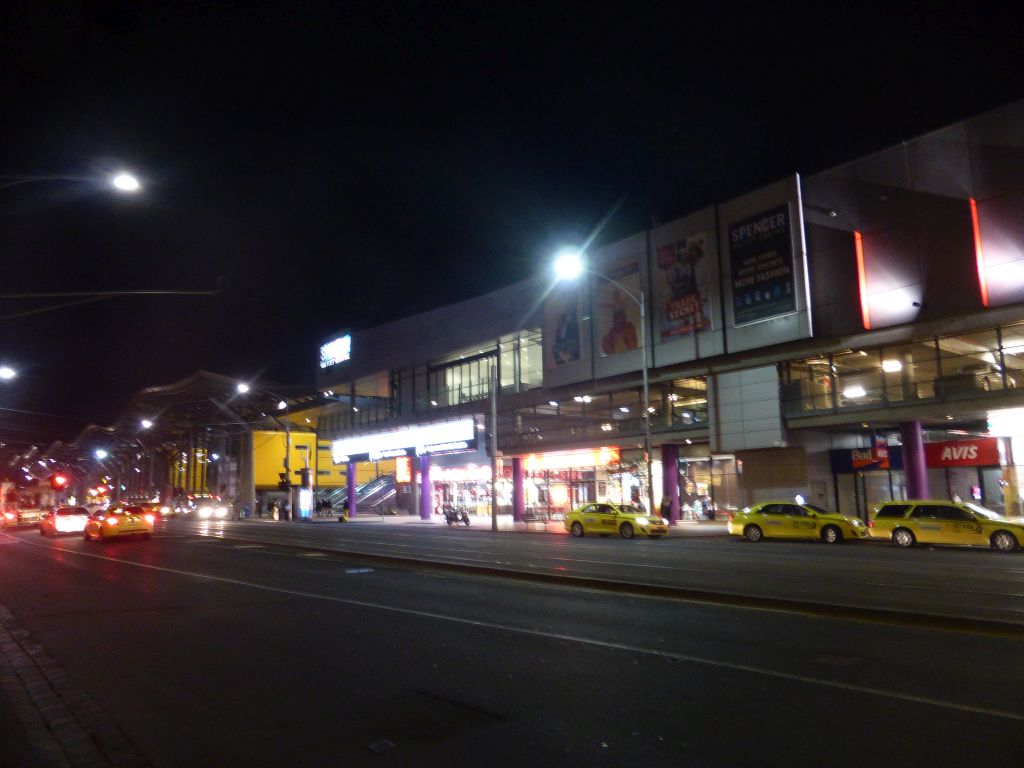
871, 523
150, 519
9, 515
111, 521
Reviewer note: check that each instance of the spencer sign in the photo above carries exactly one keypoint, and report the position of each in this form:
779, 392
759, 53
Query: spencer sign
421, 440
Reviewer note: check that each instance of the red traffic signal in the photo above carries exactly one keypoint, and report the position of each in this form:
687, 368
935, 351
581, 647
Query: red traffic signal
59, 481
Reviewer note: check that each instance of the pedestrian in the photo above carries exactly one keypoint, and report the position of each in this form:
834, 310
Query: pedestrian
343, 517
666, 507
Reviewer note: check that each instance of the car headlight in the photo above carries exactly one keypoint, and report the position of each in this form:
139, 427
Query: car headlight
642, 520
221, 511
165, 510
205, 511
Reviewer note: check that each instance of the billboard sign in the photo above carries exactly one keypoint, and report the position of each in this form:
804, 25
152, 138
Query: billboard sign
618, 313
761, 260
682, 286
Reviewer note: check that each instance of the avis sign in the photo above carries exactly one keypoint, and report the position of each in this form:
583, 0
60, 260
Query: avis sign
981, 452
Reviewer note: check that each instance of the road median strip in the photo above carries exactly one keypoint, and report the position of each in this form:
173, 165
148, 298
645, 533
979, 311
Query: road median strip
894, 617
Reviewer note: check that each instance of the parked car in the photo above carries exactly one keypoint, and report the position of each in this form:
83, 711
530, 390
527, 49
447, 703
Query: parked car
976, 377
63, 520
624, 520
789, 520
911, 522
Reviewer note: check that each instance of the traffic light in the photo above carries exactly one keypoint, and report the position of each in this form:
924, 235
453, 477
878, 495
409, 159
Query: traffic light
59, 481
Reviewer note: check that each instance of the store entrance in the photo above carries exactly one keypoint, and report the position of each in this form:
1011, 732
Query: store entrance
708, 486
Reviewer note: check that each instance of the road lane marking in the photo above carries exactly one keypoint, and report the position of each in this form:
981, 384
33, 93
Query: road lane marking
610, 645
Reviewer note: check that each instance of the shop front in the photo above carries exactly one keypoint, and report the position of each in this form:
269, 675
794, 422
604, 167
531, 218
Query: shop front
557, 482
964, 470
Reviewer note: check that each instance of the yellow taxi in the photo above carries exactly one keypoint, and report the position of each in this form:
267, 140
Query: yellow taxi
789, 520
119, 521
906, 523
604, 519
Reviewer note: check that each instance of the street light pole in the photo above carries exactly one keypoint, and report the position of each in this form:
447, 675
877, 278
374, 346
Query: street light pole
570, 265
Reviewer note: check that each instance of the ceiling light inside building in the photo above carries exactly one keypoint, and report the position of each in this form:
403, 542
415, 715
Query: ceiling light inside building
892, 366
854, 392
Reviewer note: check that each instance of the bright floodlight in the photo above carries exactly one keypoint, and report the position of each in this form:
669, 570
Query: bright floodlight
101, 454
125, 182
7, 373
568, 264
146, 423
242, 387
282, 405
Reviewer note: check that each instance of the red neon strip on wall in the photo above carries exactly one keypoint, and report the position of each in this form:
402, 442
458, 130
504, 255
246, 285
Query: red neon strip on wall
862, 280
978, 255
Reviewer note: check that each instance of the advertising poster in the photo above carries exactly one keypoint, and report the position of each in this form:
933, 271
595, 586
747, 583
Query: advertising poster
681, 287
618, 313
761, 257
562, 321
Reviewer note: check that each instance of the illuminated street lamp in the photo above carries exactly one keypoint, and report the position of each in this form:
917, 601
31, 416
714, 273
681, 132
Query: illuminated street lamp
100, 454
125, 182
7, 373
569, 264
146, 423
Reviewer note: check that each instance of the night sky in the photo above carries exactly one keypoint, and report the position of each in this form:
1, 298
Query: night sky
343, 164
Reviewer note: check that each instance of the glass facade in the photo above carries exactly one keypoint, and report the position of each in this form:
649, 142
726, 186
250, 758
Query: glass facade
676, 405
944, 369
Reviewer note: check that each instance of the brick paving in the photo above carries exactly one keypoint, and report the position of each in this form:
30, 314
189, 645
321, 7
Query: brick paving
58, 725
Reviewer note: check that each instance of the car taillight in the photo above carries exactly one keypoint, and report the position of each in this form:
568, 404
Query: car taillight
871, 523
9, 515
150, 519
111, 521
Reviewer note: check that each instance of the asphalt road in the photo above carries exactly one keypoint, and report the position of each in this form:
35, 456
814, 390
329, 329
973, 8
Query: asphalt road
950, 581
209, 651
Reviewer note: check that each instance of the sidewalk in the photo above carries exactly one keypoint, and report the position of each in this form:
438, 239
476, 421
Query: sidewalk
682, 529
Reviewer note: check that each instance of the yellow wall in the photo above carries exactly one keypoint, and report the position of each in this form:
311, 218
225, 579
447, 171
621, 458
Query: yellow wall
268, 461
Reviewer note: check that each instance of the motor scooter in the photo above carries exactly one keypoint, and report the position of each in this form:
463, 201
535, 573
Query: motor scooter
454, 516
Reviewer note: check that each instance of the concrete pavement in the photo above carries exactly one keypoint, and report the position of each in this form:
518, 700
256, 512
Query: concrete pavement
684, 528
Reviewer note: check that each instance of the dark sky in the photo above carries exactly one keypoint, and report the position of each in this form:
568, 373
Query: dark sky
341, 164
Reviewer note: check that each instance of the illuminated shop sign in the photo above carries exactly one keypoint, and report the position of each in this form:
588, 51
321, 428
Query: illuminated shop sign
403, 470
419, 440
597, 457
337, 351
979, 452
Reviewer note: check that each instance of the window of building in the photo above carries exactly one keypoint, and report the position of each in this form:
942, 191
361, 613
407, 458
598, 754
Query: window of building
909, 371
858, 377
968, 365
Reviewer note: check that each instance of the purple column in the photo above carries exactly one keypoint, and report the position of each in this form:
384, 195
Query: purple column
518, 492
670, 478
426, 489
350, 474
915, 468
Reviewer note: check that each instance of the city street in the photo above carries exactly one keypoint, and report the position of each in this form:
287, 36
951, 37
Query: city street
199, 649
